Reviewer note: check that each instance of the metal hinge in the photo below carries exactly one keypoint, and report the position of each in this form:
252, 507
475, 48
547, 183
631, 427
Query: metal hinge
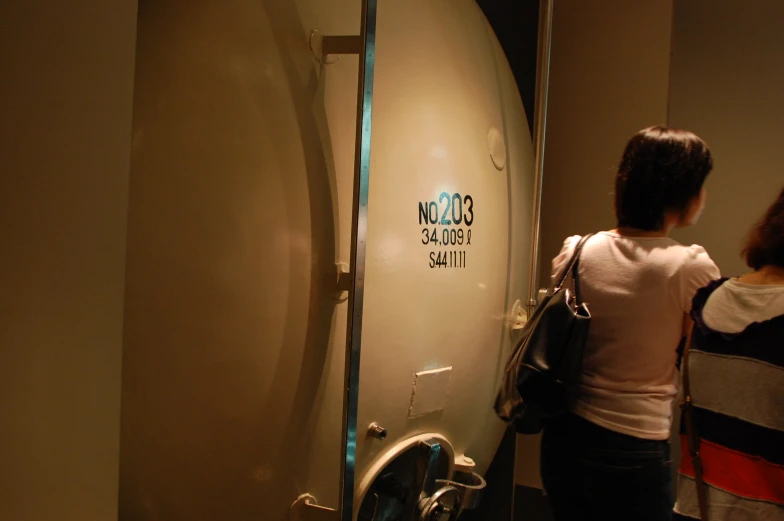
306, 508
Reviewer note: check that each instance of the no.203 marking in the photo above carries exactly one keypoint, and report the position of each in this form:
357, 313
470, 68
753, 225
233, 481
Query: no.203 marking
451, 213
451, 217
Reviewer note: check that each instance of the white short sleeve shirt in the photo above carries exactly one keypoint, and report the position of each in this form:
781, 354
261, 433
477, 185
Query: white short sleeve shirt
638, 290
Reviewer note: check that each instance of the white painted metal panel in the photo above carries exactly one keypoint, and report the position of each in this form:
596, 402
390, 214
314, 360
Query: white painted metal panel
240, 207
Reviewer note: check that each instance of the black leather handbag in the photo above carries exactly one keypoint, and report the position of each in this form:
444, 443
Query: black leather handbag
543, 372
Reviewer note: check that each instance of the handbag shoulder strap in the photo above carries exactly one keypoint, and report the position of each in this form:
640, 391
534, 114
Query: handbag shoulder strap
691, 431
571, 267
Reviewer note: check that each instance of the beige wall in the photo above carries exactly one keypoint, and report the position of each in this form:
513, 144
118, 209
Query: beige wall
609, 78
727, 82
65, 100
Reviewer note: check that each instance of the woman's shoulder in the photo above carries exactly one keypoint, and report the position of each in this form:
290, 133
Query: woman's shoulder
571, 241
568, 246
693, 270
695, 252
695, 261
566, 253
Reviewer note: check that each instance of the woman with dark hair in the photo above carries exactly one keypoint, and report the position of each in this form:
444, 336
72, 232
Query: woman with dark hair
610, 458
736, 376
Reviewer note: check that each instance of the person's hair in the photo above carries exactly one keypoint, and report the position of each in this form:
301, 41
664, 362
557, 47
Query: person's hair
661, 170
765, 243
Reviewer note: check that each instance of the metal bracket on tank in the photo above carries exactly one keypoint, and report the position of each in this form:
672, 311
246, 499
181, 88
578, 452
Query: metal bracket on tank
341, 45
518, 318
306, 508
341, 282
323, 46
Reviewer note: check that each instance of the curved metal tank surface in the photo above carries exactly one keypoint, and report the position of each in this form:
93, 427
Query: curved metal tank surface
240, 209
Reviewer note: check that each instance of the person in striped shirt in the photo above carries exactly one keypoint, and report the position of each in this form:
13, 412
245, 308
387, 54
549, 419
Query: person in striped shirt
736, 375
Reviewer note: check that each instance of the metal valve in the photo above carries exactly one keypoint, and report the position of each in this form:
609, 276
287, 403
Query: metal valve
443, 505
377, 431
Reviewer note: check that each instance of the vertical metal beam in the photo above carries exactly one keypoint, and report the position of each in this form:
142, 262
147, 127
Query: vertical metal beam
358, 250
540, 131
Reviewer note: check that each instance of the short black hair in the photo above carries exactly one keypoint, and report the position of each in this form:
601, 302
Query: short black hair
662, 170
765, 243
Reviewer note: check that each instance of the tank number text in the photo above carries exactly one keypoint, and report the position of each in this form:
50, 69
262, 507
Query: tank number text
451, 209
447, 223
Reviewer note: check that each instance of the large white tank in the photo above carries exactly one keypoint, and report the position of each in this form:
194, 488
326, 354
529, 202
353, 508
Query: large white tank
240, 210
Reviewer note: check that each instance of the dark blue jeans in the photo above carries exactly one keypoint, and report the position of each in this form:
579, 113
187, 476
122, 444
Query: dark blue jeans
591, 473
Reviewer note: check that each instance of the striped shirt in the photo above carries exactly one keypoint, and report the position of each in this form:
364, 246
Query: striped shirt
737, 387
